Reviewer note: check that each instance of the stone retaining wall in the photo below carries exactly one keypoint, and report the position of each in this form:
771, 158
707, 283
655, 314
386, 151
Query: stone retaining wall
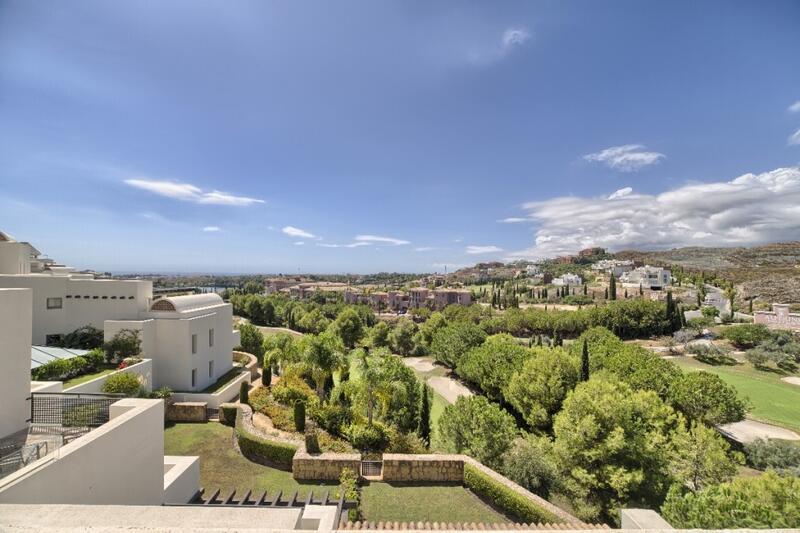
327, 466
186, 412
429, 467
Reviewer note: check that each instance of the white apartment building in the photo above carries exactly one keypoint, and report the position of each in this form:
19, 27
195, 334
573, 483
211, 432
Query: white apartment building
647, 277
189, 338
617, 267
567, 280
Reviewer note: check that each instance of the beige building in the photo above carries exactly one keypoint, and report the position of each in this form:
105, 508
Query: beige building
778, 318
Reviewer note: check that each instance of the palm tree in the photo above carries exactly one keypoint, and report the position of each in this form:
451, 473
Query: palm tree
730, 294
373, 387
324, 356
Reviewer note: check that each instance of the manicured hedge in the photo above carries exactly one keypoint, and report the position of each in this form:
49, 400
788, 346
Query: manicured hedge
260, 450
227, 414
503, 497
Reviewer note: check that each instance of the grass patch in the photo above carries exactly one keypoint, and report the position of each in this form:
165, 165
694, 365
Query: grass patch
223, 467
437, 408
77, 380
224, 380
413, 502
771, 399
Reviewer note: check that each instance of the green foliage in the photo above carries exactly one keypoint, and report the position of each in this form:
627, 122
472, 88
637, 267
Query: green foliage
479, 428
703, 458
643, 370
745, 336
530, 464
349, 327
125, 343
426, 331
705, 397
539, 388
281, 349
251, 340
585, 361
261, 450
780, 455
322, 354
244, 392
333, 417
348, 486
451, 342
122, 383
291, 388
711, 354
266, 375
64, 369
424, 429
227, 414
613, 444
513, 503
767, 501
368, 437
312, 440
401, 339
379, 335
313, 322
299, 416
491, 365
83, 338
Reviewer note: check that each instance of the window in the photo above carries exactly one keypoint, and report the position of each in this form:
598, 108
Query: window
211, 337
54, 303
194, 344
211, 369
52, 340
194, 377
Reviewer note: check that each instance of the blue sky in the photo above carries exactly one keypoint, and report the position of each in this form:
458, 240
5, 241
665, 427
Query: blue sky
217, 136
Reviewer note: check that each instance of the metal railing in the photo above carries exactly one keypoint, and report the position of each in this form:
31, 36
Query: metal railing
65, 410
13, 457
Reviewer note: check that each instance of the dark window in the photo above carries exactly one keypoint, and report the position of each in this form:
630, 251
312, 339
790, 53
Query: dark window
105, 298
95, 297
52, 340
113, 297
54, 303
130, 297
69, 296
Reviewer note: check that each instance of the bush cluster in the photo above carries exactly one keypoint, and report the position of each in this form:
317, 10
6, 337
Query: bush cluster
503, 497
63, 369
123, 383
263, 451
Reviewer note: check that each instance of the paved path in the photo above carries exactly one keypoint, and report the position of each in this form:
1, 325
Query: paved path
422, 364
449, 388
750, 430
792, 380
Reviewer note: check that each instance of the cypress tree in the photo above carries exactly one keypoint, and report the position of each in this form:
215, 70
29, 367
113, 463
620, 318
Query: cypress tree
612, 287
266, 374
424, 429
585, 361
300, 416
626, 294
750, 306
586, 289
606, 293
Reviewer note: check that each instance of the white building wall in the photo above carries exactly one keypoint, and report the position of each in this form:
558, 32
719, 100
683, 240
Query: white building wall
121, 462
83, 301
15, 359
15, 258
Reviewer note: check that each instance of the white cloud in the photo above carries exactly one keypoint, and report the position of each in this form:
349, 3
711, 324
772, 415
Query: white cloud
750, 209
212, 228
626, 158
510, 40
299, 243
291, 231
377, 239
625, 191
794, 108
474, 250
513, 220
351, 245
794, 138
424, 248
190, 193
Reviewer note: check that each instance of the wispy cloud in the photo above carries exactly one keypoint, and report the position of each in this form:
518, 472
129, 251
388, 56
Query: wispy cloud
794, 108
513, 220
291, 231
299, 243
351, 245
626, 158
190, 193
211, 229
510, 40
377, 239
489, 249
749, 209
794, 138
424, 248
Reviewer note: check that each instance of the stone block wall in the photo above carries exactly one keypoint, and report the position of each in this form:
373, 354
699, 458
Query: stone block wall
429, 467
187, 412
327, 466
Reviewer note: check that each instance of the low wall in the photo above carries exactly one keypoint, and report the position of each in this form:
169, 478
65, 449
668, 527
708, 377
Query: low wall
181, 478
252, 365
327, 466
430, 467
143, 369
227, 394
186, 412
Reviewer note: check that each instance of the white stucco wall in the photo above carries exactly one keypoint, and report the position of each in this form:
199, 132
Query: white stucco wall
121, 462
15, 258
181, 478
132, 297
229, 393
143, 370
15, 359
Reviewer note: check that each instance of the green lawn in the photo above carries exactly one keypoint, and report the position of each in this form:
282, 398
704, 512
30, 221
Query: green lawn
411, 502
88, 377
224, 380
223, 467
772, 400
437, 408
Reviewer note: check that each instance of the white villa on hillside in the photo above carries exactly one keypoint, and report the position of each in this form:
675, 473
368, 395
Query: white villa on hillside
567, 279
647, 277
617, 267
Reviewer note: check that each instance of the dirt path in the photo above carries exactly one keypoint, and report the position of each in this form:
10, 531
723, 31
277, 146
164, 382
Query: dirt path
791, 380
750, 430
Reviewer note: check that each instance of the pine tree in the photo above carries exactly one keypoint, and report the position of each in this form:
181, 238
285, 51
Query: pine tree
586, 289
612, 287
424, 429
585, 361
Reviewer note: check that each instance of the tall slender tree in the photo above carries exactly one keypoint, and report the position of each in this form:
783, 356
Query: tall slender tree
424, 429
585, 361
612, 287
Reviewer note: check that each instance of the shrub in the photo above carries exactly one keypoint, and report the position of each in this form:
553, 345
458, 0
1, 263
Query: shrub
706, 397
400, 442
700, 322
513, 503
312, 440
332, 417
329, 443
83, 338
266, 374
348, 486
244, 392
746, 336
685, 335
367, 437
530, 463
122, 383
291, 388
479, 428
95, 359
227, 414
299, 416
280, 415
711, 354
261, 450
125, 343
781, 455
